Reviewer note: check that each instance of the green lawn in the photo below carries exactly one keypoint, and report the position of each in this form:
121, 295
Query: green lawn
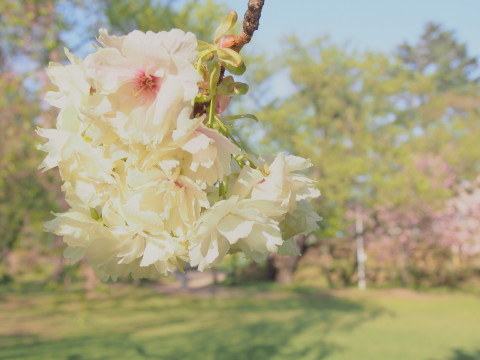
304, 324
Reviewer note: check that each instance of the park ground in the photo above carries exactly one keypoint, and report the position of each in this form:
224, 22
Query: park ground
260, 322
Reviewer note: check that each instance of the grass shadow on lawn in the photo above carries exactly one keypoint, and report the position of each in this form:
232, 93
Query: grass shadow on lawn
147, 325
458, 354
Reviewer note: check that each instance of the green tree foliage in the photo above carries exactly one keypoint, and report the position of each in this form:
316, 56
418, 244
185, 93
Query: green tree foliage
388, 132
439, 102
199, 17
439, 54
334, 117
30, 30
32, 33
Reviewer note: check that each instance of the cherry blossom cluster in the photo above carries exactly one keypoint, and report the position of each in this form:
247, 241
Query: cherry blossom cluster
152, 183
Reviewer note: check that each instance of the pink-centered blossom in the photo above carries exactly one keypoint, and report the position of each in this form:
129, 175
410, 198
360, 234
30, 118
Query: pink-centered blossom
148, 78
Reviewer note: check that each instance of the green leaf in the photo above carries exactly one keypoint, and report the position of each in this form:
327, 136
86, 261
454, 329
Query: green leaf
226, 87
242, 116
235, 70
205, 54
202, 46
240, 88
214, 77
227, 23
229, 87
229, 57
202, 98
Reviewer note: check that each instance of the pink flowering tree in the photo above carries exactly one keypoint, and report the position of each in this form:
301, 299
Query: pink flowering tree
457, 226
433, 239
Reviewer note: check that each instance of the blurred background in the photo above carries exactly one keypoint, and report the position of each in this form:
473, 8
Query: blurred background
383, 96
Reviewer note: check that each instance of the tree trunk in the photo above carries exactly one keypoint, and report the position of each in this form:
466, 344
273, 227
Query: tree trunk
405, 276
360, 247
284, 267
5, 276
11, 239
59, 271
324, 262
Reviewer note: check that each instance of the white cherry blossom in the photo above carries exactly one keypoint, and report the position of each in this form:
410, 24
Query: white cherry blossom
151, 183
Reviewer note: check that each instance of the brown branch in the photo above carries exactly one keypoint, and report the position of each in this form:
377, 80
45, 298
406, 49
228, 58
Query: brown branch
251, 21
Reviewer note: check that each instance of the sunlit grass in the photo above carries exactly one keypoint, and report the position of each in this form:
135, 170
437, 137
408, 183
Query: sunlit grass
298, 324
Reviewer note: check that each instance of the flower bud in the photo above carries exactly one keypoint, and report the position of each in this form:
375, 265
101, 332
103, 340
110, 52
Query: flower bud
221, 103
226, 41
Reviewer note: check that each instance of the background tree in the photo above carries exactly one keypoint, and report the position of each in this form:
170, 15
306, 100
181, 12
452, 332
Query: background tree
32, 33
388, 132
199, 17
439, 54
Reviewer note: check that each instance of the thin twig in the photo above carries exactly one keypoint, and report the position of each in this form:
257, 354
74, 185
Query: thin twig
251, 21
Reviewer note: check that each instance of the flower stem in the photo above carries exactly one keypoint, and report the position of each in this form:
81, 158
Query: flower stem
211, 111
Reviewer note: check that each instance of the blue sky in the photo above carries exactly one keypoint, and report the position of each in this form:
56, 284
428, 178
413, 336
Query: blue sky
379, 25
365, 24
